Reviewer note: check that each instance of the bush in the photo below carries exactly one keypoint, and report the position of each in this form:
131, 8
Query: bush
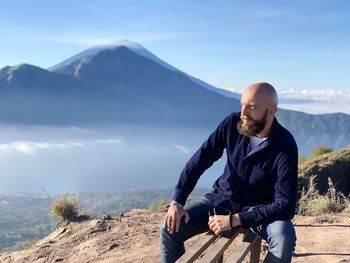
65, 207
158, 206
347, 209
302, 159
322, 149
311, 203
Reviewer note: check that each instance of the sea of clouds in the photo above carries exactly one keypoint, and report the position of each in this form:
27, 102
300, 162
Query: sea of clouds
312, 101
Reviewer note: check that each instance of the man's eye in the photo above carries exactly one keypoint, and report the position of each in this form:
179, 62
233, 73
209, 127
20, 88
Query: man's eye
252, 107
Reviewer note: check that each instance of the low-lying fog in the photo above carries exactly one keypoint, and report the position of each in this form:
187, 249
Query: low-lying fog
73, 159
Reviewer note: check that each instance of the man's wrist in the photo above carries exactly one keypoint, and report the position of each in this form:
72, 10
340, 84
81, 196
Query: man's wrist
174, 203
234, 220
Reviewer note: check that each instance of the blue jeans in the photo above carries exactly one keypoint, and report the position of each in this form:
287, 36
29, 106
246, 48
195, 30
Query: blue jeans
280, 235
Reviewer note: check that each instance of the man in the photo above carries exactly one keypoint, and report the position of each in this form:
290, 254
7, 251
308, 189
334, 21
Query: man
258, 188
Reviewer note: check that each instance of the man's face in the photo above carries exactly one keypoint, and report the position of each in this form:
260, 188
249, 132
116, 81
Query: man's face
254, 114
249, 126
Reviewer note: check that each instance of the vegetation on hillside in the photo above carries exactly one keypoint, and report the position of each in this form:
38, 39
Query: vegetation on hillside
25, 218
312, 203
22, 219
316, 152
327, 163
65, 207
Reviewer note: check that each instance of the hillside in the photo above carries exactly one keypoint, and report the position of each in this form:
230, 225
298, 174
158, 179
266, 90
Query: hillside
335, 165
136, 239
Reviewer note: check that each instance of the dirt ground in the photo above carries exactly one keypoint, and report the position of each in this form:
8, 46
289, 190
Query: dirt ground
135, 238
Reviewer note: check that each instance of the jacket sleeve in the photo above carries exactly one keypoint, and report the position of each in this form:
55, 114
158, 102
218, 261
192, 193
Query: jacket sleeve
210, 151
285, 197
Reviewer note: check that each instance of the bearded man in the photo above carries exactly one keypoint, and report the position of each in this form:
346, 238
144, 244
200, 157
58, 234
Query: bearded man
258, 188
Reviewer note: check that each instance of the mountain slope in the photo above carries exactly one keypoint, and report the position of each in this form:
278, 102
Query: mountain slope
335, 165
135, 238
123, 87
140, 50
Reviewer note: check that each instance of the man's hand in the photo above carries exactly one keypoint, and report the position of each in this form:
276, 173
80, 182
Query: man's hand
173, 217
221, 223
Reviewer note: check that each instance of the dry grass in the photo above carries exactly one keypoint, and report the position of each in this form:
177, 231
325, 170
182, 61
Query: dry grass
65, 207
311, 203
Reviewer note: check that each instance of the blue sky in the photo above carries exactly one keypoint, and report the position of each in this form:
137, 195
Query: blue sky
292, 44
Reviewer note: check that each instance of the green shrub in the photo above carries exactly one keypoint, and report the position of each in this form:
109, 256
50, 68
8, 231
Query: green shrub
311, 203
158, 206
302, 159
322, 149
65, 207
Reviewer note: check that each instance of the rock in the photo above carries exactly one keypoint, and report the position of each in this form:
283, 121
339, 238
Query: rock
106, 217
112, 246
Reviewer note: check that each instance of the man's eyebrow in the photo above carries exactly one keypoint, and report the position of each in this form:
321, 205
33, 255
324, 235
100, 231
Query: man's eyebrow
249, 103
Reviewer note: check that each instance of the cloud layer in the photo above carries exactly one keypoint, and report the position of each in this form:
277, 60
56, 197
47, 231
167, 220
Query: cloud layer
33, 147
312, 101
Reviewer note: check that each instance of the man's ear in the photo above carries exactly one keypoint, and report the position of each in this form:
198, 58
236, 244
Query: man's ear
273, 110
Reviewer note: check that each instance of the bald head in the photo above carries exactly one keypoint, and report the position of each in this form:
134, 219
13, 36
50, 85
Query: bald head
263, 90
259, 106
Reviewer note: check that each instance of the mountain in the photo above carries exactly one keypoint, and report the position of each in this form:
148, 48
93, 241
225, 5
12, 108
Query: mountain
124, 84
334, 165
114, 86
140, 50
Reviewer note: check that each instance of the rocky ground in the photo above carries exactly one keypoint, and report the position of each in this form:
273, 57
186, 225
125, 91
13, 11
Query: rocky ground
135, 238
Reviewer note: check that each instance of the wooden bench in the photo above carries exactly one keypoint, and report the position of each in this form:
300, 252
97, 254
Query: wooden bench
213, 248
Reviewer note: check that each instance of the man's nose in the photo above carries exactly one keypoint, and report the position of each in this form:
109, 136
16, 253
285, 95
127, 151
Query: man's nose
244, 111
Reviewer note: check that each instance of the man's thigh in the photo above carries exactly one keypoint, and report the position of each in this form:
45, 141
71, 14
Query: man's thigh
280, 230
198, 210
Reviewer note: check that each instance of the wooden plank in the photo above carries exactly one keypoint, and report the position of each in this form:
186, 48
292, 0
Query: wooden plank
255, 250
198, 248
241, 252
217, 249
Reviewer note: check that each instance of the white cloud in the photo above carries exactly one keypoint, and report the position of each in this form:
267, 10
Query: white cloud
311, 101
85, 40
316, 101
31, 148
182, 149
109, 141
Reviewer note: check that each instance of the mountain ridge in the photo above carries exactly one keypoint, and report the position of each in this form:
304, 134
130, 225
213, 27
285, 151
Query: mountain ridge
117, 86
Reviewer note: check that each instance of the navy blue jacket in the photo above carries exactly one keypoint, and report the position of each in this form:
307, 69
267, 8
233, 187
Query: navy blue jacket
266, 178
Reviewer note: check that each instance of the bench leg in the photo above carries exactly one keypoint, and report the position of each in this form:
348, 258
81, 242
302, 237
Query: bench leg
255, 251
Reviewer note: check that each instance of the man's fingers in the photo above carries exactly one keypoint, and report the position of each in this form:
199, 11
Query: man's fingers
213, 228
165, 222
216, 230
169, 220
172, 220
173, 223
187, 217
177, 223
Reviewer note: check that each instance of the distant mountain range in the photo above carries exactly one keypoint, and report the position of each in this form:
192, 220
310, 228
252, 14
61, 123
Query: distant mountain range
124, 84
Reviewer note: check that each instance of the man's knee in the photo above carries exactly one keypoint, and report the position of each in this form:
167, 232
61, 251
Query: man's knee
281, 238
165, 234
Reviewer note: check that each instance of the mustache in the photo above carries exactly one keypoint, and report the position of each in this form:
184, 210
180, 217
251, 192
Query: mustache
245, 118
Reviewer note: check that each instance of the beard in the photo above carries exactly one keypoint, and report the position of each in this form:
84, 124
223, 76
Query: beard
251, 127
